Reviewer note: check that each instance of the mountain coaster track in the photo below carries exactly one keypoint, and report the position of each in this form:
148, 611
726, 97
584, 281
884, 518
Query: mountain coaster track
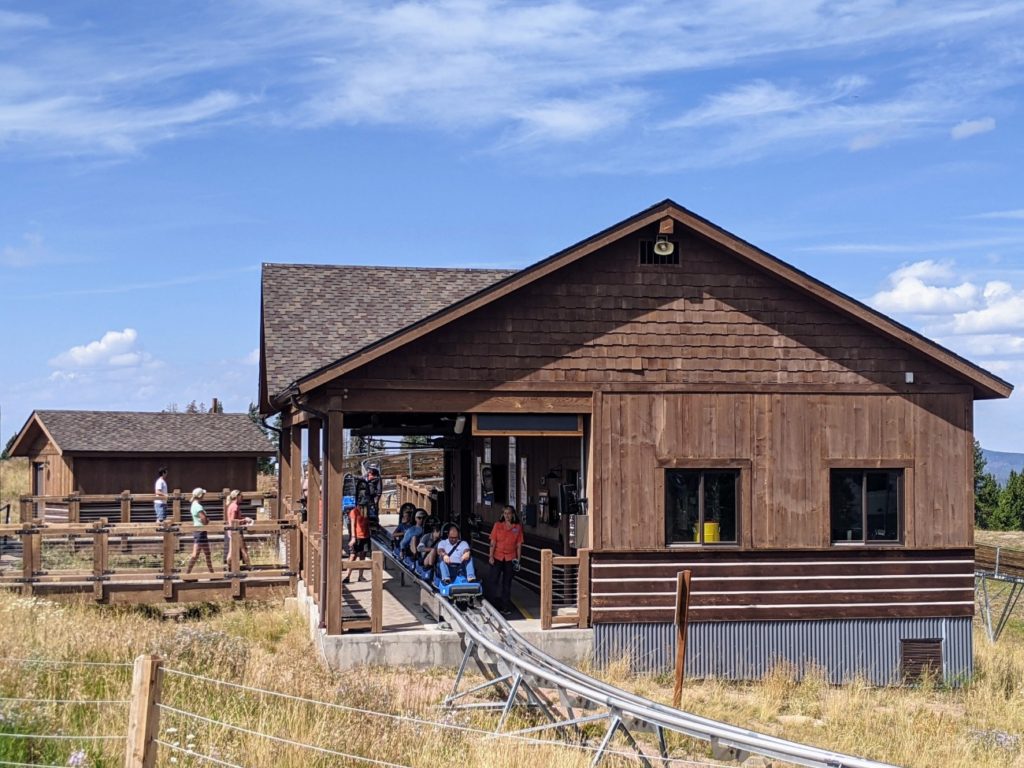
531, 677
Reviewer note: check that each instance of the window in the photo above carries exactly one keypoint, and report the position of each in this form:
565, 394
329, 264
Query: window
866, 504
701, 506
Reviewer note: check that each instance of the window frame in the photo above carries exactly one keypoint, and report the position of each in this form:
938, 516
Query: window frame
904, 499
742, 469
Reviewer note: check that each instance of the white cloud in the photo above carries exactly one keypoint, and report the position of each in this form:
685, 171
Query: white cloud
912, 296
11, 21
253, 358
551, 71
1012, 215
115, 349
973, 127
29, 253
1004, 311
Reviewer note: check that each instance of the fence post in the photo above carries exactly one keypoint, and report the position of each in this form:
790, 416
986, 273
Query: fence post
545, 589
28, 552
176, 506
377, 594
26, 510
144, 714
74, 508
583, 589
682, 623
169, 535
126, 506
99, 557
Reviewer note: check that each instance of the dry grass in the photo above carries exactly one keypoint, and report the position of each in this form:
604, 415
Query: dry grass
15, 481
256, 645
979, 725
1014, 539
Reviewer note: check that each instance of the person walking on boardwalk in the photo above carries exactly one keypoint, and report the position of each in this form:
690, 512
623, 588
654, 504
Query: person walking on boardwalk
160, 491
233, 517
200, 540
506, 549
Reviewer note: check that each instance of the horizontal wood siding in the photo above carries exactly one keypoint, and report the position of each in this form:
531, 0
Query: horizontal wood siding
116, 474
713, 319
785, 446
784, 584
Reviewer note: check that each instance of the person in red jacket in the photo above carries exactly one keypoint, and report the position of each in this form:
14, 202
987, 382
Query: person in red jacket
506, 549
359, 544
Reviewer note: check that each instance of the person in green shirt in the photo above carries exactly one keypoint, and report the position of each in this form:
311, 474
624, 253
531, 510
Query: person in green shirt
200, 539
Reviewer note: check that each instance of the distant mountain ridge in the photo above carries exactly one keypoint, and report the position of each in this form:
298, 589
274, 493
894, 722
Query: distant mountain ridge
1000, 463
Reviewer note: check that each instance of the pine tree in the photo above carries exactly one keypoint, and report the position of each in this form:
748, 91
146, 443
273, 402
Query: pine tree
1009, 514
986, 490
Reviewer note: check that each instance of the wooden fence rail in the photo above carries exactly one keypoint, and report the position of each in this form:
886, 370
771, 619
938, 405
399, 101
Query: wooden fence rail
141, 562
564, 589
423, 494
354, 615
128, 507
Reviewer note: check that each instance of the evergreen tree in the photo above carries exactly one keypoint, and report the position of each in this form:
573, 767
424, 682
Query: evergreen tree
986, 490
1009, 514
265, 466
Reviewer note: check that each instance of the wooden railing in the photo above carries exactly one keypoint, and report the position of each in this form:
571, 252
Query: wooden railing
1000, 561
422, 494
354, 614
144, 563
128, 507
564, 589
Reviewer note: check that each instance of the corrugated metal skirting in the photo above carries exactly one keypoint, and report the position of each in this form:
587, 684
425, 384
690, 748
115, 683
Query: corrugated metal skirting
747, 650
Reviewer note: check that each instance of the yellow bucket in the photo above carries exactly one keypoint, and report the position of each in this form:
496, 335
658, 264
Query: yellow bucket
711, 532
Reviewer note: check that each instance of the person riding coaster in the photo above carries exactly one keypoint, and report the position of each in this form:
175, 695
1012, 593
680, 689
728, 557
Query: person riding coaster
456, 576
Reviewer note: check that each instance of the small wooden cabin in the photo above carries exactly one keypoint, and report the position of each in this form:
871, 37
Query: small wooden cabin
671, 397
107, 452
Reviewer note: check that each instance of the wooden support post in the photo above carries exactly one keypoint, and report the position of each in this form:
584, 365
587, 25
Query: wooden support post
295, 479
170, 542
583, 589
294, 556
334, 463
99, 558
377, 595
126, 506
682, 624
314, 505
74, 508
144, 714
284, 475
28, 551
26, 509
545, 588
176, 506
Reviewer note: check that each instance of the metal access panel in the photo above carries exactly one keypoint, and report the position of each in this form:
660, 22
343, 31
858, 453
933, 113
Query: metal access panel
748, 650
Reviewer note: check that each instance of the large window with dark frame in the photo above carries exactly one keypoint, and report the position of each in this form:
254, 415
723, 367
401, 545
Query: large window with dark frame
701, 506
866, 505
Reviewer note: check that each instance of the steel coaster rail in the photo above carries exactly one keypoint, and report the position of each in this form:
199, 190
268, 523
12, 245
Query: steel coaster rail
529, 669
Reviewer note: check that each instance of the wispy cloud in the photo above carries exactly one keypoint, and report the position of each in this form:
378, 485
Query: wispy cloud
29, 253
102, 290
1017, 214
520, 75
969, 128
937, 246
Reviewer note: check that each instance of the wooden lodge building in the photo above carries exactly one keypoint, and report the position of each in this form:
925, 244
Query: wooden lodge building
107, 452
807, 458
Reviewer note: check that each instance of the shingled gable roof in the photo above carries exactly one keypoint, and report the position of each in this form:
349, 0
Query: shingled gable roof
134, 432
306, 323
986, 385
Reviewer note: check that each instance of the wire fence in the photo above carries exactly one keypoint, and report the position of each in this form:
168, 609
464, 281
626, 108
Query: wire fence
232, 744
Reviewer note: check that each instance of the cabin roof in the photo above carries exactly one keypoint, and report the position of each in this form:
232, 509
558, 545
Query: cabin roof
306, 325
140, 432
295, 309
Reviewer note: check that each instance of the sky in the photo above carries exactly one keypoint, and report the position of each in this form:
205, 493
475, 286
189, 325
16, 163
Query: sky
154, 155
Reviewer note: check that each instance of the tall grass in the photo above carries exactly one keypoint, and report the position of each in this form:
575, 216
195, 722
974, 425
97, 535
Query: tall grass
15, 481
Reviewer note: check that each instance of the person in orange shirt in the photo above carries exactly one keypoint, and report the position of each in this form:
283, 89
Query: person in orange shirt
506, 549
359, 544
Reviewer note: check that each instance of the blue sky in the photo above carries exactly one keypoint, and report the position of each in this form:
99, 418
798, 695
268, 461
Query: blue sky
153, 155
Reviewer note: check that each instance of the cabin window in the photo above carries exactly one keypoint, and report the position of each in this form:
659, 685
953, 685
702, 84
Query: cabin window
866, 505
701, 505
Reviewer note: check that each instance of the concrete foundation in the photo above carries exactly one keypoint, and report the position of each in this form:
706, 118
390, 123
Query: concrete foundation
433, 644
